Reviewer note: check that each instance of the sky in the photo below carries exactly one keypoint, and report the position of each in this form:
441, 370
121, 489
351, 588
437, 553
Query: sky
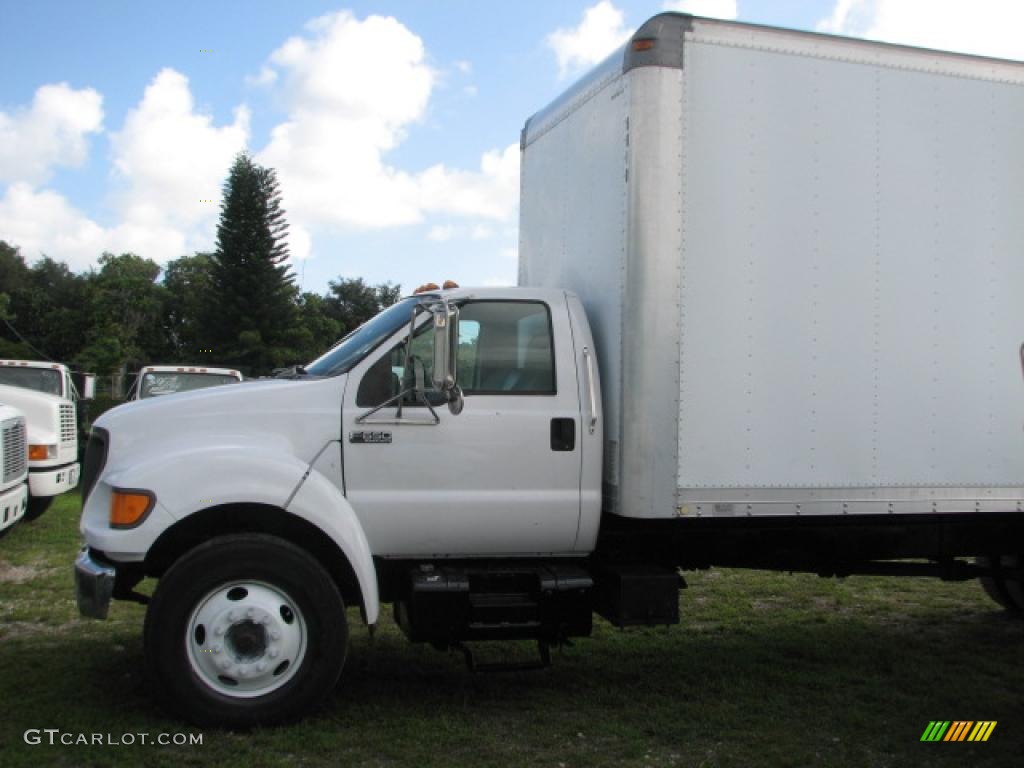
393, 126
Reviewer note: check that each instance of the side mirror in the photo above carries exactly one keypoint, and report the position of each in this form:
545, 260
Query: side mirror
83, 385
89, 386
446, 347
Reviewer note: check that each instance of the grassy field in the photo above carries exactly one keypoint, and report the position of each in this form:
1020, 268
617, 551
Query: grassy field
765, 669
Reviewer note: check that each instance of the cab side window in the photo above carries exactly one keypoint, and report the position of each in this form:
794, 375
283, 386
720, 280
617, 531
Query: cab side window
388, 376
505, 348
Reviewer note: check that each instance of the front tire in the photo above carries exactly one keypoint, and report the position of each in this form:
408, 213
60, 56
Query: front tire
36, 506
245, 630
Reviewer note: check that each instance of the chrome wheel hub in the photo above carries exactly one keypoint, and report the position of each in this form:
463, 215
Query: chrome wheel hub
246, 639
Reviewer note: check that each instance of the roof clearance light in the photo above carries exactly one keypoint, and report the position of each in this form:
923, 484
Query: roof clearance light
644, 44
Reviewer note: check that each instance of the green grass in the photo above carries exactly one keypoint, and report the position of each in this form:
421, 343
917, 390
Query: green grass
765, 669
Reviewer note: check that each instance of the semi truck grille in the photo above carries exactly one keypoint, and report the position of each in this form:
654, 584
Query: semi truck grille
68, 429
15, 449
95, 459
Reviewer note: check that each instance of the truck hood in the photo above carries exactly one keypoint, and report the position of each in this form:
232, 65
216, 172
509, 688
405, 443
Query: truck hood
295, 415
41, 409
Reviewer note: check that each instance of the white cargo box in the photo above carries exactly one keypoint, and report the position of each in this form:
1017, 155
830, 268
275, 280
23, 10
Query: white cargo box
803, 260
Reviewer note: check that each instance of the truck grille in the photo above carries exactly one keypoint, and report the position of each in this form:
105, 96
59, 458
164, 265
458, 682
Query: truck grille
68, 428
15, 449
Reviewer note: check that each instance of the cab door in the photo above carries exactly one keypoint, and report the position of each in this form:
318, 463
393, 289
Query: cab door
500, 478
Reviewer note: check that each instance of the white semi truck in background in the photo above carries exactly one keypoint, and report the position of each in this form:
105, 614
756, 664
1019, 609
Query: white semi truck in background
13, 467
769, 317
46, 394
158, 380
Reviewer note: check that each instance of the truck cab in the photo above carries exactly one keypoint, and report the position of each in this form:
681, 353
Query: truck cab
13, 467
444, 457
158, 380
51, 378
46, 394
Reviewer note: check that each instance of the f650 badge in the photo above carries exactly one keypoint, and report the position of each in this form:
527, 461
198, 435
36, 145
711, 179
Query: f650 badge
369, 437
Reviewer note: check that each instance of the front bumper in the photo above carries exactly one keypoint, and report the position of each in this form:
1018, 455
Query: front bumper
94, 585
12, 505
52, 482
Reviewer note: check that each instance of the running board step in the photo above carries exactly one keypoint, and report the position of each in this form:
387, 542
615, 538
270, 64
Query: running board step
448, 604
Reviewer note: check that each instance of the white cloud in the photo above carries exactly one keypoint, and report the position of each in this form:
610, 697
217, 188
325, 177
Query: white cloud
465, 67
167, 159
987, 27
52, 132
348, 106
716, 9
441, 233
491, 193
600, 32
265, 77
499, 281
44, 223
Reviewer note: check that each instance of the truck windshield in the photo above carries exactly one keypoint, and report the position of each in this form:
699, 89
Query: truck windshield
167, 383
350, 350
40, 379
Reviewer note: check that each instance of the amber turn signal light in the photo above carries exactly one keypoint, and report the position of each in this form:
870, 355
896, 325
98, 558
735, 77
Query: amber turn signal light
128, 508
40, 452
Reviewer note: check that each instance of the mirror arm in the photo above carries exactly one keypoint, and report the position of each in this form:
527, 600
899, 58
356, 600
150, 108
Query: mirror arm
420, 397
408, 358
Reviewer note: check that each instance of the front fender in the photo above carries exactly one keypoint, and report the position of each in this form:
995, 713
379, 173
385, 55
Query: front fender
321, 503
185, 481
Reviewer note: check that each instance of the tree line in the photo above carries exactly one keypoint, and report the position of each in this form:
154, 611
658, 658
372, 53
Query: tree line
236, 306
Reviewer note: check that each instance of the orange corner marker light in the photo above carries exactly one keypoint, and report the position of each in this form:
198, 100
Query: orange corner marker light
129, 508
41, 452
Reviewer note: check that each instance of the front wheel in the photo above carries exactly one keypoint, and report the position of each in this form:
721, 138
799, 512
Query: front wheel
245, 630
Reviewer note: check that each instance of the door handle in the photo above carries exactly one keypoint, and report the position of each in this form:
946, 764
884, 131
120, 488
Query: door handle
563, 434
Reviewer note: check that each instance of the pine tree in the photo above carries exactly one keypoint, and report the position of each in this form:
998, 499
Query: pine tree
252, 308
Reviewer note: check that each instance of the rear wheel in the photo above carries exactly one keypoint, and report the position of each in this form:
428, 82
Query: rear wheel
245, 630
1003, 583
37, 505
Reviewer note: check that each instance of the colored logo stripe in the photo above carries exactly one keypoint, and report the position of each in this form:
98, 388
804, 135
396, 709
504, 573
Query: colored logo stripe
958, 730
982, 730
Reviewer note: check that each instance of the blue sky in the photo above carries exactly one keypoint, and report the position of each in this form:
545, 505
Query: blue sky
394, 126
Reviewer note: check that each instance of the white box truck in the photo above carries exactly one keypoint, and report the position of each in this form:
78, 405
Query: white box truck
45, 393
13, 467
768, 317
